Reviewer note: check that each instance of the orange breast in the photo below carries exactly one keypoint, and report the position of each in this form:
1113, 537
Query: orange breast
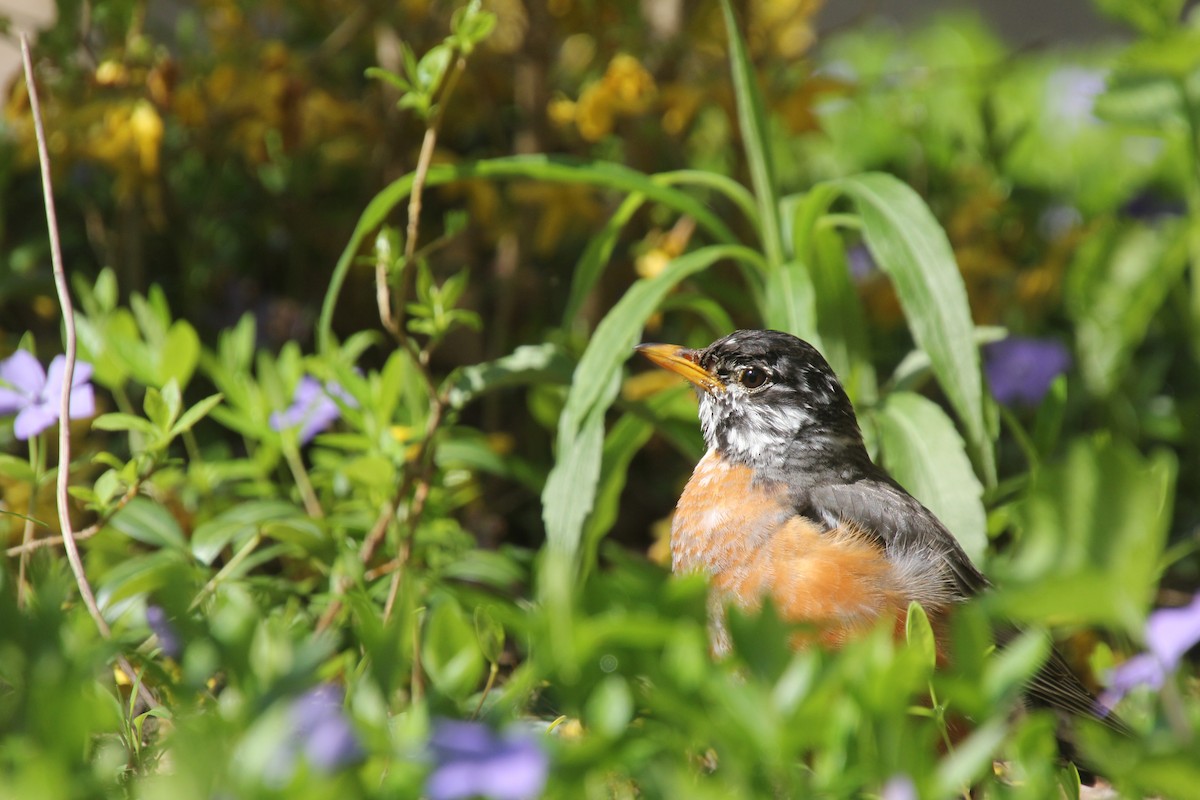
745, 535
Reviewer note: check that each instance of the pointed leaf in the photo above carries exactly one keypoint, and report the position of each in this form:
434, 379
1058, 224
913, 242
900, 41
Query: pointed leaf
910, 246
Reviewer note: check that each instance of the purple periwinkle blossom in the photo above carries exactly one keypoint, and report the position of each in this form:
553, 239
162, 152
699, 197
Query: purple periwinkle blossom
898, 787
1170, 633
1071, 94
471, 761
1020, 369
168, 638
34, 394
313, 408
860, 262
1151, 206
321, 730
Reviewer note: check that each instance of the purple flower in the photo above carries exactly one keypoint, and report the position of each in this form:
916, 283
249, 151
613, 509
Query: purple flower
1170, 633
1150, 206
898, 787
1071, 94
34, 396
313, 408
322, 731
470, 761
860, 262
168, 637
1020, 369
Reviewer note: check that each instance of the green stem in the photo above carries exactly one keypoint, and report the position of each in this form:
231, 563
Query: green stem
241, 555
37, 463
309, 495
1191, 113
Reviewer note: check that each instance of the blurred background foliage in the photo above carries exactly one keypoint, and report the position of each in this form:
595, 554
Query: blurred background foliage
211, 163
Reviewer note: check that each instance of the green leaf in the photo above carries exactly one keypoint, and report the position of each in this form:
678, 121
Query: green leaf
789, 302
571, 485
923, 451
971, 758
1012, 665
150, 523
196, 413
595, 258
527, 364
236, 523
451, 654
627, 436
490, 634
1176, 55
841, 324
138, 575
173, 400
18, 469
1150, 101
1091, 535
1147, 16
389, 77
910, 246
1117, 284
157, 410
919, 634
610, 707
752, 121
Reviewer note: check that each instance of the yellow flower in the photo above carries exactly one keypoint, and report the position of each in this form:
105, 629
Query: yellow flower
146, 128
660, 549
594, 112
681, 102
630, 86
112, 74
652, 262
784, 27
561, 111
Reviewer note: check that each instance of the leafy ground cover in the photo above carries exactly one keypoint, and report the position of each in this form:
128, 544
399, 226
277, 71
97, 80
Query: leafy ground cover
369, 500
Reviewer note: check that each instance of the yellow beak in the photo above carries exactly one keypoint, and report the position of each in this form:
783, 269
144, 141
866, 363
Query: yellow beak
682, 361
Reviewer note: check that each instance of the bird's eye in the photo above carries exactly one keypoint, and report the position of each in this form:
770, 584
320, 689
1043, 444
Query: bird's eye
753, 377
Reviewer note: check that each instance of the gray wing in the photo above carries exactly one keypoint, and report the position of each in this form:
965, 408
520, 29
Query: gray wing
882, 508
906, 529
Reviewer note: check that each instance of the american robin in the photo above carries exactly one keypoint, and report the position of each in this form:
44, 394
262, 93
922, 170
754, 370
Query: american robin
787, 503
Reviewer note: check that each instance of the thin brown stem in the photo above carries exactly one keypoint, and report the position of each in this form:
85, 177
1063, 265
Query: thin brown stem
392, 321
416, 480
89, 531
64, 408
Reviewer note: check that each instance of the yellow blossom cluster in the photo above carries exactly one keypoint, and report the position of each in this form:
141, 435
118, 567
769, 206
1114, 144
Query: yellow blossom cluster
625, 89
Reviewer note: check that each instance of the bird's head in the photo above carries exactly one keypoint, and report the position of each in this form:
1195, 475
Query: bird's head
767, 400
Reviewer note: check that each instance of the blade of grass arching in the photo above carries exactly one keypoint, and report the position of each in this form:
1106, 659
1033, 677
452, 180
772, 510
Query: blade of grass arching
924, 451
789, 302
840, 317
596, 256
600, 248
911, 247
620, 445
739, 195
571, 485
707, 309
601, 174
752, 121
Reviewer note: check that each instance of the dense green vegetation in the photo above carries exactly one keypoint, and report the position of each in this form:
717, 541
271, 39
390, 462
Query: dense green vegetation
372, 498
